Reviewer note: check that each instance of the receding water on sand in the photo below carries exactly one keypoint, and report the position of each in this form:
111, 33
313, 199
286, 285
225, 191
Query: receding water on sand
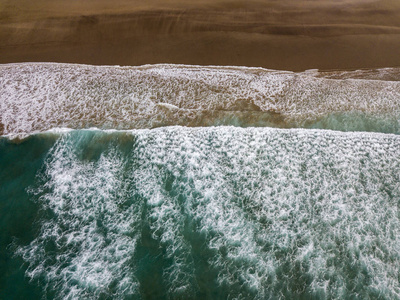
38, 97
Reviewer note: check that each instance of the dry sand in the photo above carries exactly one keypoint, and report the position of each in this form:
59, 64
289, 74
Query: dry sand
276, 34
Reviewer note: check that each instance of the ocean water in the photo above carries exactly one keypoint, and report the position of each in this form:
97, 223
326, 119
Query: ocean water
281, 186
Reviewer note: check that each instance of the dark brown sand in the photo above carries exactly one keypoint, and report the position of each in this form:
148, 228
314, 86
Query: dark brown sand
276, 34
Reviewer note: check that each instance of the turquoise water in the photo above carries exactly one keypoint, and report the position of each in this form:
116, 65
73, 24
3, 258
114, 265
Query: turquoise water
281, 185
201, 213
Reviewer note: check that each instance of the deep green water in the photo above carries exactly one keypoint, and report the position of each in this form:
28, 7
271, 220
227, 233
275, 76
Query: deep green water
201, 213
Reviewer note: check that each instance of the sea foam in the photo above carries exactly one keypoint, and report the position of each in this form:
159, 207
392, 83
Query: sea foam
39, 96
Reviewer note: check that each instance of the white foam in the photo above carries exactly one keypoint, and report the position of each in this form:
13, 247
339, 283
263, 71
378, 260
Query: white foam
268, 165
37, 96
88, 256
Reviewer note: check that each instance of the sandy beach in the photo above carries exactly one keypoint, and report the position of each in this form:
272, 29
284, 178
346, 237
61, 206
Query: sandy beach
290, 35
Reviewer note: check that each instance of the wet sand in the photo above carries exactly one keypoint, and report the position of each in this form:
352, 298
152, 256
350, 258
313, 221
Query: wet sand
290, 35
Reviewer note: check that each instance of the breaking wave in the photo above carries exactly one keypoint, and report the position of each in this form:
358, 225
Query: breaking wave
219, 212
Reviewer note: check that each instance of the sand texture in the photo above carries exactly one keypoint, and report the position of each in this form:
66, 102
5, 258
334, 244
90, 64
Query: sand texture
290, 35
